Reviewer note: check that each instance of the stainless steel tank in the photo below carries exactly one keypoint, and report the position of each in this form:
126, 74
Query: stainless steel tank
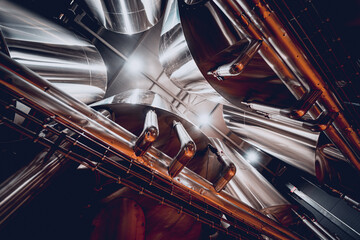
249, 186
288, 141
126, 16
129, 109
284, 140
228, 60
58, 55
176, 59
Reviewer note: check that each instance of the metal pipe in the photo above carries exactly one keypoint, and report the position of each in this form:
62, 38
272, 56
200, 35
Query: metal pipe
233, 12
249, 186
186, 152
29, 181
41, 94
148, 135
309, 224
226, 174
322, 229
126, 16
325, 212
281, 39
282, 139
236, 66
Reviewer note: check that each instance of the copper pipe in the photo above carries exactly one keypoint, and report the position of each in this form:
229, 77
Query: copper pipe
285, 45
232, 10
45, 96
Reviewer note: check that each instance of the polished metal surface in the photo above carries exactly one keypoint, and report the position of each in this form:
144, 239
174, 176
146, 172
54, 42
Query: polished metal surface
263, 23
58, 55
288, 142
214, 40
324, 211
92, 124
186, 152
249, 186
130, 108
29, 181
311, 226
235, 67
176, 59
126, 16
148, 135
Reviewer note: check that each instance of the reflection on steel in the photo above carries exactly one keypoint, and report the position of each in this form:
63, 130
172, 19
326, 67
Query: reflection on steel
340, 223
60, 56
352, 202
106, 113
293, 145
237, 66
214, 40
153, 163
226, 175
129, 109
322, 229
186, 152
249, 186
126, 16
302, 106
148, 135
311, 226
176, 59
228, 172
29, 181
268, 26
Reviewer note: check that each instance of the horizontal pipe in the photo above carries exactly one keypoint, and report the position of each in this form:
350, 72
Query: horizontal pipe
46, 97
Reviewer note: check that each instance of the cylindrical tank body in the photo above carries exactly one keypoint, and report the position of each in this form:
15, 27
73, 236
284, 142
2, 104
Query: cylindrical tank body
129, 109
284, 140
176, 59
214, 42
58, 55
126, 16
249, 186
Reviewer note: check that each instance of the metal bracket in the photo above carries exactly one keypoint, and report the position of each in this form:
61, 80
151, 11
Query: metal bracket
149, 134
303, 106
227, 173
186, 153
236, 66
321, 123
